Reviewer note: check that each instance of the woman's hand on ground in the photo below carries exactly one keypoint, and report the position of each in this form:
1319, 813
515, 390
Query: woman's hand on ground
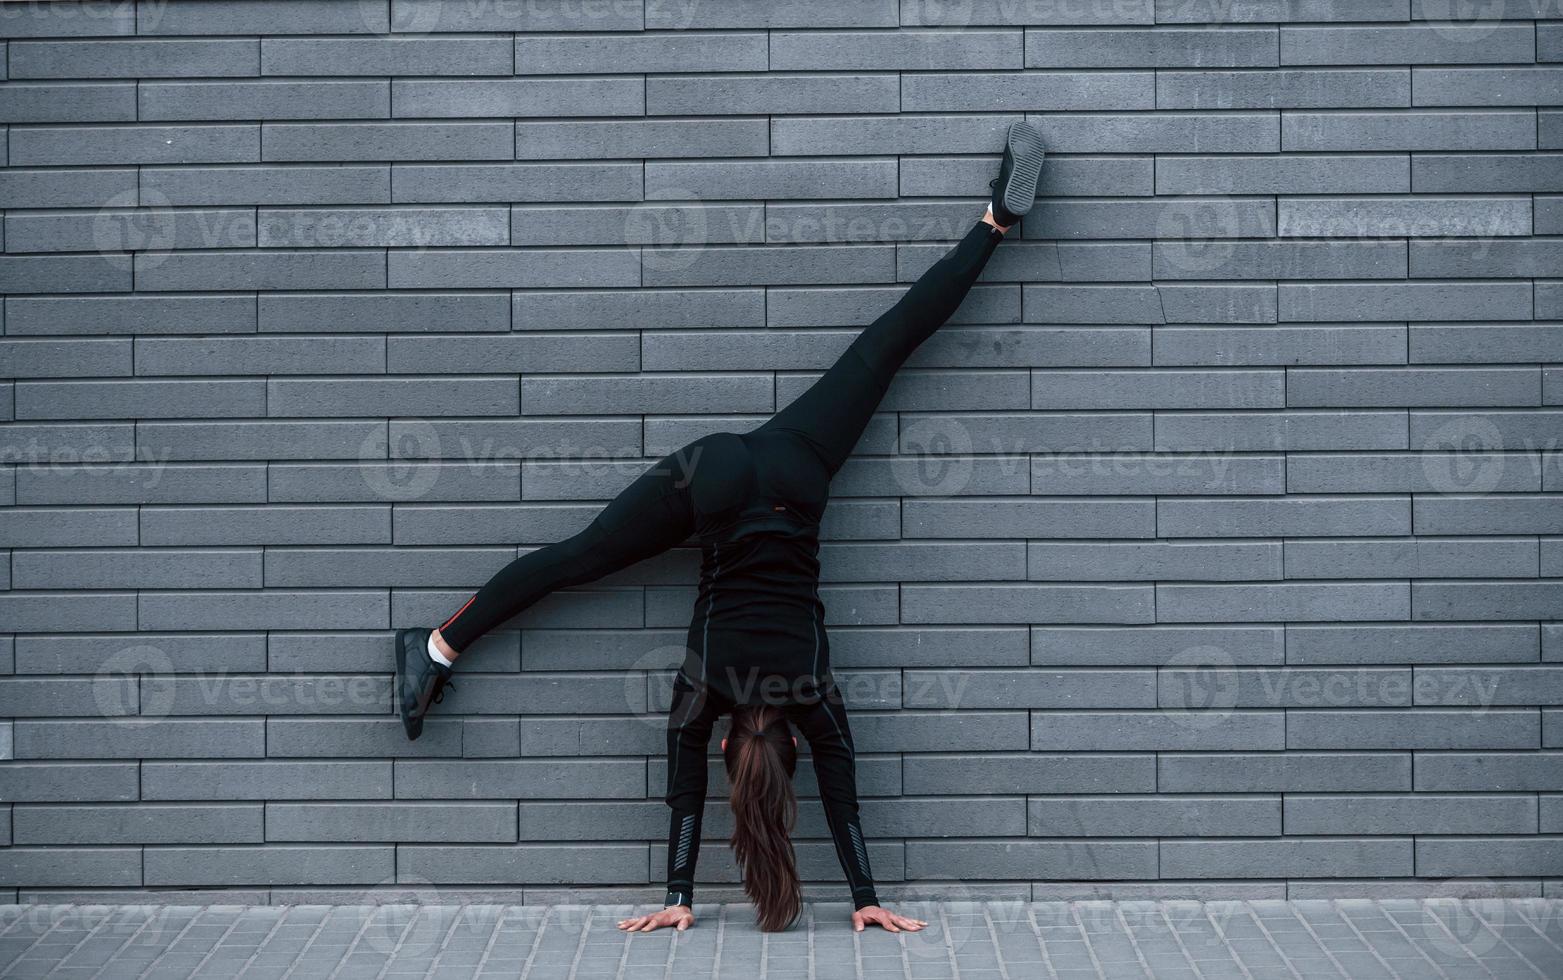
681, 916
874, 915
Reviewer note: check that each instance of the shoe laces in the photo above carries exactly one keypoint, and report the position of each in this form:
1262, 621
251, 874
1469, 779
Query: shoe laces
440, 683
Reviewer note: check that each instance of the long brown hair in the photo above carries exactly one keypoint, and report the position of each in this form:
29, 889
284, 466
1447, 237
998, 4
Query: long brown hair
761, 757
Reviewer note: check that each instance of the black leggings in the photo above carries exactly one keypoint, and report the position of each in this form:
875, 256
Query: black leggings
657, 510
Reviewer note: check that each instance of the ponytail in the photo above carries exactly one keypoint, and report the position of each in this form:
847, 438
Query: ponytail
761, 757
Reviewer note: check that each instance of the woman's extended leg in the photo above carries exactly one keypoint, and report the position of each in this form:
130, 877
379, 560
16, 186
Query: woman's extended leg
648, 517
832, 413
654, 513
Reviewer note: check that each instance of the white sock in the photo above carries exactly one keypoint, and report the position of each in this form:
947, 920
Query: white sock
435, 654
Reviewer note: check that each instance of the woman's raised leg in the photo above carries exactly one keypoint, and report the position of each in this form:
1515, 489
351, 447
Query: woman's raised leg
832, 412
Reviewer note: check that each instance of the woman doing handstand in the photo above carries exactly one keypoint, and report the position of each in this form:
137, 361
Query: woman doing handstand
757, 646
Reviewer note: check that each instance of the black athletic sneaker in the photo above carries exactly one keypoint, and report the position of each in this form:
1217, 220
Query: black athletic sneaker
420, 680
1015, 188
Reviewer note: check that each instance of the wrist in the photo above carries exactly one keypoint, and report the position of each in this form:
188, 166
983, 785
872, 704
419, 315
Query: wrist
678, 896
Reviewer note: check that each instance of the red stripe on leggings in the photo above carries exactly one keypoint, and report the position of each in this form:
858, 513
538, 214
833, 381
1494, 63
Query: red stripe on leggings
445, 625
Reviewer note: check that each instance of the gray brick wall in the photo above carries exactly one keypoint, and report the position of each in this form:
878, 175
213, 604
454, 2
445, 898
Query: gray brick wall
1215, 549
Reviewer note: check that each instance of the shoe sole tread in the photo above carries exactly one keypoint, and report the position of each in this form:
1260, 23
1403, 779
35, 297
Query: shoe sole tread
1020, 190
